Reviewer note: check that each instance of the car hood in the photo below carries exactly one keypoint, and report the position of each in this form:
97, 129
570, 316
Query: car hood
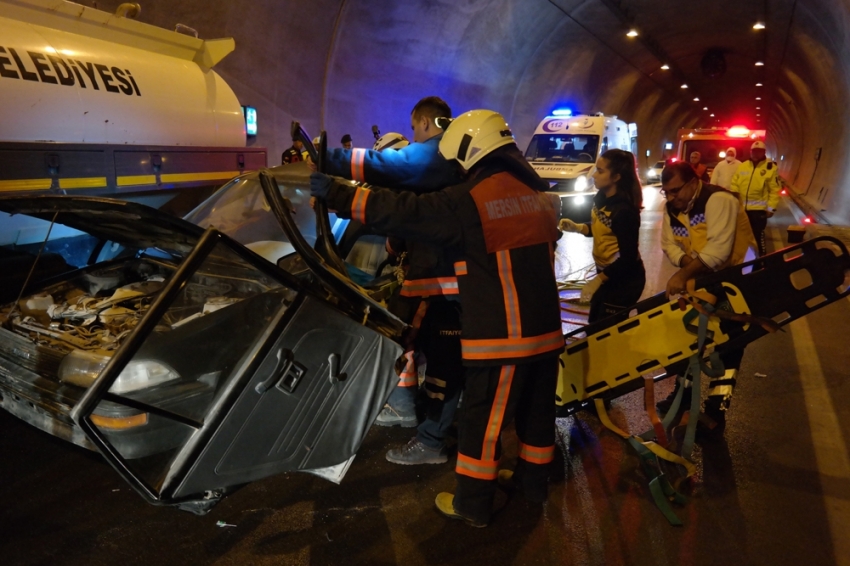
128, 223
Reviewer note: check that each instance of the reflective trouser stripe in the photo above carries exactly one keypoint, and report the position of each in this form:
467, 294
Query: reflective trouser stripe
460, 268
497, 413
478, 469
358, 172
536, 454
434, 388
409, 377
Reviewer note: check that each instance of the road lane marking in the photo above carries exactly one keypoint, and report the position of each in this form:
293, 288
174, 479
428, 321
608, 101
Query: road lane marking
827, 438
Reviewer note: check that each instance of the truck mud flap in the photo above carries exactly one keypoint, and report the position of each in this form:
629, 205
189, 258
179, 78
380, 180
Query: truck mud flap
609, 358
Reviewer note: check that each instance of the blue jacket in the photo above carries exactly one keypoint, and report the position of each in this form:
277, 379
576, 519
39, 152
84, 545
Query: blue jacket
419, 167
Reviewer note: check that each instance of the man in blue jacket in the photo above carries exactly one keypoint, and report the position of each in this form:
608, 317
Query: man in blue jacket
428, 297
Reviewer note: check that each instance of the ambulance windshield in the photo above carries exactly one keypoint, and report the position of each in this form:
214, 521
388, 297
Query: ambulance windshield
565, 148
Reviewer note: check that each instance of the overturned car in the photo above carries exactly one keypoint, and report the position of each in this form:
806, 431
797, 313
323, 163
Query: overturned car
197, 362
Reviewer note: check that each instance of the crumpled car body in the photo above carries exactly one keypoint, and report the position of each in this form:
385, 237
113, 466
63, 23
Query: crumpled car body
191, 362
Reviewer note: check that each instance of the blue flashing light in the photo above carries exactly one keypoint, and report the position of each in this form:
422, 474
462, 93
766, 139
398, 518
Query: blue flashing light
562, 112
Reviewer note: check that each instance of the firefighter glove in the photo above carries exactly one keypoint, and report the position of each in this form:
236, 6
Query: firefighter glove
590, 289
320, 185
568, 225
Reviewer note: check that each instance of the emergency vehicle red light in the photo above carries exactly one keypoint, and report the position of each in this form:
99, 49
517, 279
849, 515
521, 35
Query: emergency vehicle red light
674, 159
738, 132
807, 220
783, 192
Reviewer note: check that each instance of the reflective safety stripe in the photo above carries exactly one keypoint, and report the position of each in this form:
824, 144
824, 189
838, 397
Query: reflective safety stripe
435, 381
536, 454
721, 390
433, 395
420, 314
428, 287
460, 268
755, 203
511, 347
409, 376
497, 413
358, 205
358, 156
478, 469
503, 259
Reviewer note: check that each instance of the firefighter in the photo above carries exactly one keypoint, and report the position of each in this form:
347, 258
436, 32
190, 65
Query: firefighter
705, 229
391, 140
294, 153
614, 227
346, 141
428, 297
500, 229
757, 186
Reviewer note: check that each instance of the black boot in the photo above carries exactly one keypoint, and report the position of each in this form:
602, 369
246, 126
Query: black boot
712, 421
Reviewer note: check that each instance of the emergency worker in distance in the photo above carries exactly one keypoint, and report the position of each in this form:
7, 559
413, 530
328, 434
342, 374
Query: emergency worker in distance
428, 297
614, 226
705, 229
699, 168
499, 227
346, 141
294, 153
725, 170
757, 186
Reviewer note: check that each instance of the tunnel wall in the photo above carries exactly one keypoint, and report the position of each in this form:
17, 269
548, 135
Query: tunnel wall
344, 65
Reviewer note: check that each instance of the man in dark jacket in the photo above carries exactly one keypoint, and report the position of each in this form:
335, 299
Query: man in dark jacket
499, 230
293, 154
428, 298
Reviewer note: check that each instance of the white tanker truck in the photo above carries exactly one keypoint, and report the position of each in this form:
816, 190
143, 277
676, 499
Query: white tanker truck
100, 104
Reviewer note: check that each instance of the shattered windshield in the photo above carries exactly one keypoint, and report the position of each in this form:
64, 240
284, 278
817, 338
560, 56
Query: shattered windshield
240, 210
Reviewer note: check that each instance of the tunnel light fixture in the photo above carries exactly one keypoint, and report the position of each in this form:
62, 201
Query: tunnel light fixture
759, 63
705, 107
684, 86
758, 107
712, 115
696, 99
665, 67
759, 84
758, 114
758, 26
632, 33
758, 98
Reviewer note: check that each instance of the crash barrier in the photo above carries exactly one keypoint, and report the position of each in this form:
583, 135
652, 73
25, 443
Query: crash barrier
658, 337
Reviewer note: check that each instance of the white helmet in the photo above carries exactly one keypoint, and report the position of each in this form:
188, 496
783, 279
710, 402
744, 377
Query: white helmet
317, 140
474, 134
391, 140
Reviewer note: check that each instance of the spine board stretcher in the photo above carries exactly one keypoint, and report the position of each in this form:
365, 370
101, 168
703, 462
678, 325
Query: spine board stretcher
612, 357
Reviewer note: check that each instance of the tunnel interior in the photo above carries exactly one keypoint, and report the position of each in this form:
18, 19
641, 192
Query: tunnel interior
344, 65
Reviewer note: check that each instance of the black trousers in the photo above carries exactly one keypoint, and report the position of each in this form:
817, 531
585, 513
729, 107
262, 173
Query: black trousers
615, 295
758, 222
493, 397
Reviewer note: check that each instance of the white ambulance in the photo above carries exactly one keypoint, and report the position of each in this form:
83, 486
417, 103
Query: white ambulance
564, 150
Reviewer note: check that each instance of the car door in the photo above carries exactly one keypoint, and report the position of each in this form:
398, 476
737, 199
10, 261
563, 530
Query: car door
237, 372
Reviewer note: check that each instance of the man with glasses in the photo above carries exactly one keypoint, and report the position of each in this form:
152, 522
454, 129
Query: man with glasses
705, 229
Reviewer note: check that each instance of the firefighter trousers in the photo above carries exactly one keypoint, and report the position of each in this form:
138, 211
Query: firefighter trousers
492, 398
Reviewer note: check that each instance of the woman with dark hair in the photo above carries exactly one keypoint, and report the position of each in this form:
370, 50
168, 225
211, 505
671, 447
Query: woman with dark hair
614, 226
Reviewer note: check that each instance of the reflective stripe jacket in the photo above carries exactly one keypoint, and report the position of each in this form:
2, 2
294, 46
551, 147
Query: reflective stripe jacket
757, 185
614, 226
420, 168
715, 230
501, 234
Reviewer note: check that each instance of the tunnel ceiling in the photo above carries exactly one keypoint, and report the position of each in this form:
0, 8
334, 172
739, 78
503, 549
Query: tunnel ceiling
343, 65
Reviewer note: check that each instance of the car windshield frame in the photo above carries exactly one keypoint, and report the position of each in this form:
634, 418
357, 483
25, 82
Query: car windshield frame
563, 148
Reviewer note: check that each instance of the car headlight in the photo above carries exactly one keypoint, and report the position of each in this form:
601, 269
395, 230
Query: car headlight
82, 368
581, 184
652, 173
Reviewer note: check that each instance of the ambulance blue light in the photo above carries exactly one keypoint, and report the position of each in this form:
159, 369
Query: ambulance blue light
562, 112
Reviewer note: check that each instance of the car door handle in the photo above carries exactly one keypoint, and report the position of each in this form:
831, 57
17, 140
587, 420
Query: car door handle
333, 369
286, 374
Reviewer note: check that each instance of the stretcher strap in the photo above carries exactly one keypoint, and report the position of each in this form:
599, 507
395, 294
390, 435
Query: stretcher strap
649, 402
659, 486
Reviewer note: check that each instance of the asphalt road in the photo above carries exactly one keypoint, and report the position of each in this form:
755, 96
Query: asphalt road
776, 491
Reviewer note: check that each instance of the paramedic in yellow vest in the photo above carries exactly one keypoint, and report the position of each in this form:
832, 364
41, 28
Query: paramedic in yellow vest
705, 229
757, 187
614, 226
